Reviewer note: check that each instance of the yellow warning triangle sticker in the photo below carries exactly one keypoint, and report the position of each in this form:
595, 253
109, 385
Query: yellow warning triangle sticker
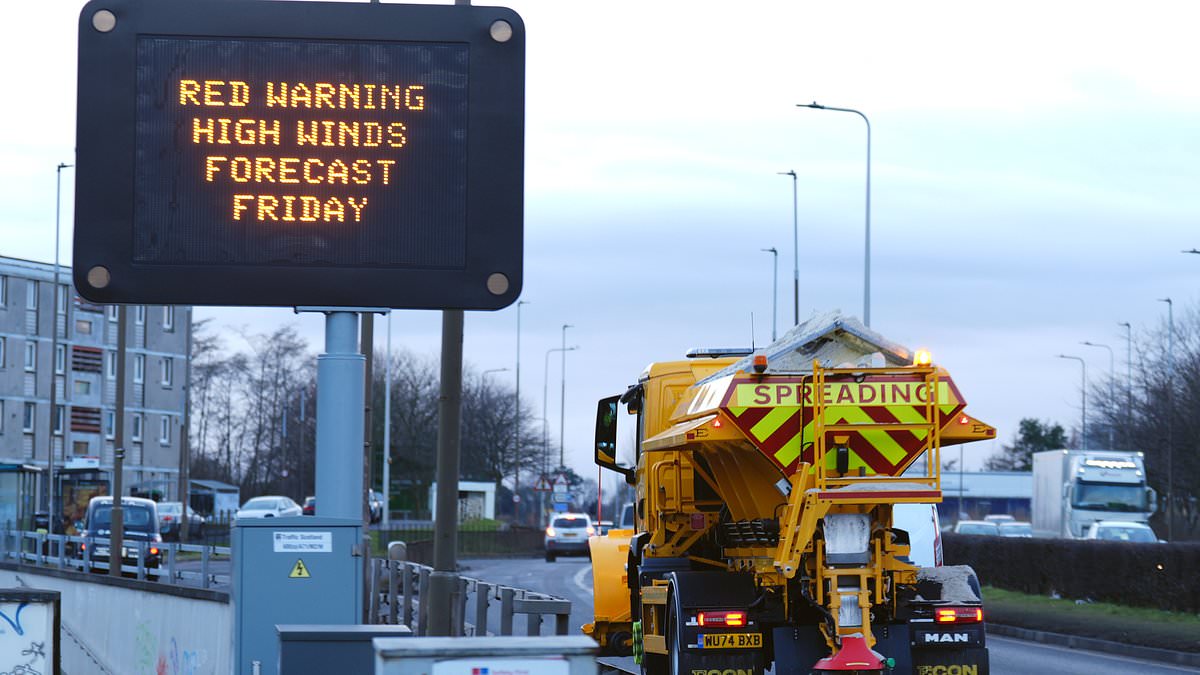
299, 571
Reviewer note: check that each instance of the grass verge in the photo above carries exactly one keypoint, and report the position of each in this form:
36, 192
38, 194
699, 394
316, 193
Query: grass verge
1101, 620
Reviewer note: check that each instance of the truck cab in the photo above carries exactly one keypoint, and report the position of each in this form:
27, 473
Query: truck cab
1075, 488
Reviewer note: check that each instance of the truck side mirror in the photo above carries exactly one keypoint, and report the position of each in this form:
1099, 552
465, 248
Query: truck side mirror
606, 436
1151, 500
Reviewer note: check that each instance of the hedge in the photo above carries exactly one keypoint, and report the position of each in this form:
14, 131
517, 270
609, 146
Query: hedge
1161, 576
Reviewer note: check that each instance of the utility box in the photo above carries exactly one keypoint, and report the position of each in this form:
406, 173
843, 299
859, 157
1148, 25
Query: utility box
301, 570
555, 655
319, 650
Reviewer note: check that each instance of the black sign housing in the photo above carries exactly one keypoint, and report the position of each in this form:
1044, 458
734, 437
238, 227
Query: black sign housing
299, 153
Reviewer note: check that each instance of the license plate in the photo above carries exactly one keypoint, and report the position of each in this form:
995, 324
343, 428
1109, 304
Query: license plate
731, 641
101, 550
569, 535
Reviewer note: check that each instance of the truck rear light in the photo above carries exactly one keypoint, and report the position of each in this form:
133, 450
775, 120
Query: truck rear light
153, 550
728, 618
549, 531
591, 531
958, 615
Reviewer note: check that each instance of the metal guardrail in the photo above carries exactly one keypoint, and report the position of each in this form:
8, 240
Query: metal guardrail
396, 588
65, 552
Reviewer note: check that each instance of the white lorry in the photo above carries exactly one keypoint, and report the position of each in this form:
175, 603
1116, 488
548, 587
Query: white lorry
1074, 488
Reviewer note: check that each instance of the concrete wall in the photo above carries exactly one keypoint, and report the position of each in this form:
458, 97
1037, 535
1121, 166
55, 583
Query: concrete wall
134, 631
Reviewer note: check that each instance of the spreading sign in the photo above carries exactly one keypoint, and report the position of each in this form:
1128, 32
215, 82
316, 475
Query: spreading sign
287, 153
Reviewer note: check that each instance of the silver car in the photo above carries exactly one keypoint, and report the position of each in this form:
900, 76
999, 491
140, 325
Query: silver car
568, 533
269, 507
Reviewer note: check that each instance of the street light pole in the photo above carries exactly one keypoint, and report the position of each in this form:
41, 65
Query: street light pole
1112, 378
1083, 390
387, 427
562, 409
546, 398
774, 288
1128, 371
517, 421
867, 256
795, 250
1170, 418
50, 491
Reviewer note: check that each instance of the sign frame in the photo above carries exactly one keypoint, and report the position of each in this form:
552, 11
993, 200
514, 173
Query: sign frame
105, 270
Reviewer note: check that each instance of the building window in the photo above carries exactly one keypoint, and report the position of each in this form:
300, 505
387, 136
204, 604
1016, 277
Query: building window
139, 368
3, 340
168, 318
167, 368
81, 448
110, 424
137, 427
62, 300
3, 292
31, 356
1, 409
111, 311
110, 365
83, 388
60, 359
59, 412
83, 327
139, 314
31, 293
28, 418
164, 430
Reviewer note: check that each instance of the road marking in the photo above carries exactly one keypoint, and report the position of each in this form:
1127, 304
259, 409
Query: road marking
1102, 655
585, 587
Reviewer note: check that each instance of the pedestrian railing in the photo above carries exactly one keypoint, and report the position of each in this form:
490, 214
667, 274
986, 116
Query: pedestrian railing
168, 563
397, 587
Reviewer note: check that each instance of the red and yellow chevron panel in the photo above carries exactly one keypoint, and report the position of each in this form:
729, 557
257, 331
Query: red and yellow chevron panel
775, 413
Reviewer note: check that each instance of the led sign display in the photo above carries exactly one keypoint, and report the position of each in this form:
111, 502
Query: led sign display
319, 154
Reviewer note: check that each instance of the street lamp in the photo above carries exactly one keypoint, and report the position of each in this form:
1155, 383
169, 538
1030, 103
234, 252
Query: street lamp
562, 406
517, 420
867, 256
546, 397
50, 496
1112, 378
1170, 417
484, 374
795, 251
1083, 394
1128, 370
774, 288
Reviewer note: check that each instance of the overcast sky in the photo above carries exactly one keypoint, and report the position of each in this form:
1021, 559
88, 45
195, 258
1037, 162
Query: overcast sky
1034, 179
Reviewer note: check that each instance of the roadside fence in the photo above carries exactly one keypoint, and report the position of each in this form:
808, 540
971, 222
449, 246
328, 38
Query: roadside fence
396, 587
167, 563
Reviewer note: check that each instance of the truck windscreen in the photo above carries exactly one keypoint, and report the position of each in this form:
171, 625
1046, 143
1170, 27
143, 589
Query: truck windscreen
1121, 497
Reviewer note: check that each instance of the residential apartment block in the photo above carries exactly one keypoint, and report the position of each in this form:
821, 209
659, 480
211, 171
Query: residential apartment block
84, 364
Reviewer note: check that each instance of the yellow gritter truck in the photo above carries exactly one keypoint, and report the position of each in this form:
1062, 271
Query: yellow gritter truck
765, 486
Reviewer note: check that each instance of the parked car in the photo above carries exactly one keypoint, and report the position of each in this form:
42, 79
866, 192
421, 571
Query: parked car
602, 527
310, 506
568, 533
170, 516
140, 524
976, 527
272, 506
375, 506
1121, 530
999, 518
1016, 528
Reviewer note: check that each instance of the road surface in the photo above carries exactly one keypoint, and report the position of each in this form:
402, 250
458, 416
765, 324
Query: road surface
571, 578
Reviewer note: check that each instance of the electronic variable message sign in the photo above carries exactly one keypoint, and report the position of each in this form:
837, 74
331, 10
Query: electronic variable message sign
299, 153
